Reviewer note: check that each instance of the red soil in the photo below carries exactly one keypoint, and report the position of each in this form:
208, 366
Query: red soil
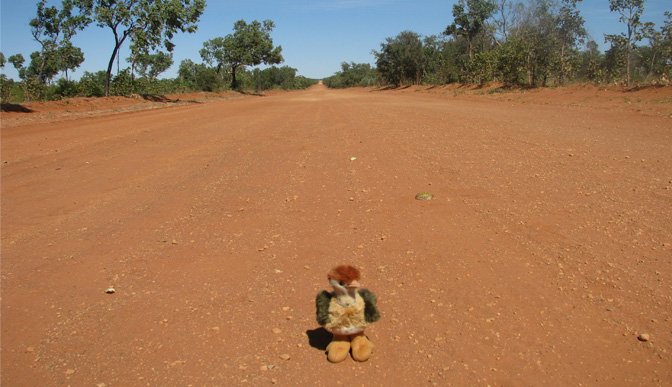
546, 251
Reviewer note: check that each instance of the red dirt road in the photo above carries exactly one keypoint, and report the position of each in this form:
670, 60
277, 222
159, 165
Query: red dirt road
546, 251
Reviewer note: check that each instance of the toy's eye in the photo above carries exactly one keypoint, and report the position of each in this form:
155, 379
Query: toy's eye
341, 283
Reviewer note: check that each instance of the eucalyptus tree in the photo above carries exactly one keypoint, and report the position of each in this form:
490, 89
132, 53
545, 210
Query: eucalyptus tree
656, 58
249, 45
147, 23
5, 83
401, 60
570, 31
17, 60
666, 32
53, 28
504, 19
32, 85
470, 20
631, 12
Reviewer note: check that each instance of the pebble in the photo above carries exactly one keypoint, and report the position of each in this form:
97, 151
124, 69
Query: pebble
644, 337
69, 372
110, 290
285, 356
277, 331
424, 196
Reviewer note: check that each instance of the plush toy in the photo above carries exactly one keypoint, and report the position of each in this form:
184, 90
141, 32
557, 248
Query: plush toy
345, 313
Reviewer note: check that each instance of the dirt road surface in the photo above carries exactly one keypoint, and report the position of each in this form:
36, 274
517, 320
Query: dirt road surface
545, 254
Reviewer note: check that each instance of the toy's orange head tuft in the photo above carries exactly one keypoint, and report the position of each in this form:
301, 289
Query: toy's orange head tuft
345, 273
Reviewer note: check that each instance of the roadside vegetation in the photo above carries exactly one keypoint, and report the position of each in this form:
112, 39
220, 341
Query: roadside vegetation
530, 43
517, 43
148, 26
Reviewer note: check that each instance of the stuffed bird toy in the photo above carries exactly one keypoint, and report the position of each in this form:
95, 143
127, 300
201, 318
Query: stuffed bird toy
346, 312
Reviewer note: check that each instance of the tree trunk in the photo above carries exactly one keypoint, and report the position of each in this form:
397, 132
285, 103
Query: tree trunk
234, 82
628, 56
530, 71
117, 45
562, 64
653, 63
108, 75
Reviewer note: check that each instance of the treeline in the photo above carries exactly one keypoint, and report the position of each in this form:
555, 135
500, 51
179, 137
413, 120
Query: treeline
353, 74
201, 77
192, 77
530, 43
149, 26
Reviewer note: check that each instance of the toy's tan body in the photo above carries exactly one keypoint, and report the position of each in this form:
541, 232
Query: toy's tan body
346, 319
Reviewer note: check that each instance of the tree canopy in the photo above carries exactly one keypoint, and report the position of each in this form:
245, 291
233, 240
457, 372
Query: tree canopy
469, 20
148, 23
401, 59
53, 29
527, 43
631, 12
249, 45
150, 65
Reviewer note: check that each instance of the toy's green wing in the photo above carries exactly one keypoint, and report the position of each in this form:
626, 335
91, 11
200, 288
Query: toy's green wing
322, 307
371, 313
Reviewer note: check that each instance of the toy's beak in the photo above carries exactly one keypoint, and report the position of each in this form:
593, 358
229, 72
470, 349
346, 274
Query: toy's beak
352, 285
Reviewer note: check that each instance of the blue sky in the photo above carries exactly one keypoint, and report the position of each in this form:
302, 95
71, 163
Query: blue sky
316, 35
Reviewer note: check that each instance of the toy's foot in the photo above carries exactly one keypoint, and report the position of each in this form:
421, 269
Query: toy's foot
361, 348
338, 350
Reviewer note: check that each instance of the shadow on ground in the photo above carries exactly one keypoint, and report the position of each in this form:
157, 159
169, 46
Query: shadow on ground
256, 94
319, 338
385, 88
14, 108
642, 87
159, 98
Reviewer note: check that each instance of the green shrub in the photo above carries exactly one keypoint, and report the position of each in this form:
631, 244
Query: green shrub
33, 89
66, 88
6, 86
511, 63
122, 84
92, 84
